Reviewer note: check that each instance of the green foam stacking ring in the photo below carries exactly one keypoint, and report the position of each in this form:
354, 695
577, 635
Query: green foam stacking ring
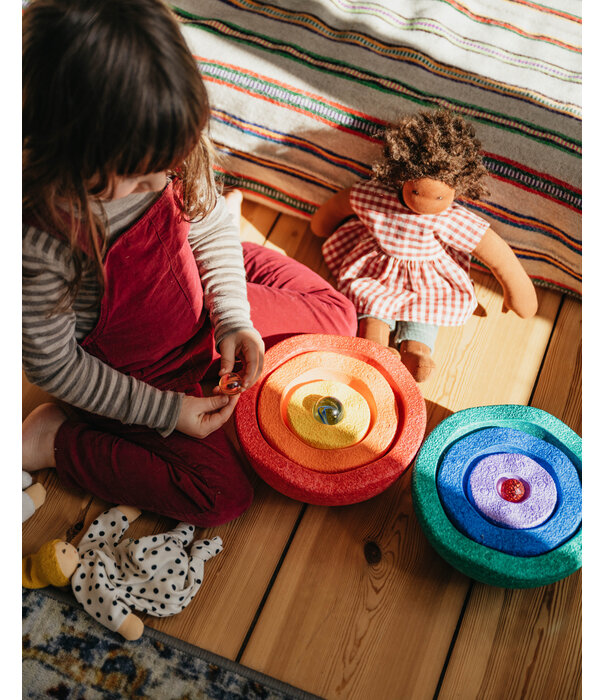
472, 558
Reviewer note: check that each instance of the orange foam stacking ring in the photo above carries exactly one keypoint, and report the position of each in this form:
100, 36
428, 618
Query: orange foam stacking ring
308, 368
294, 456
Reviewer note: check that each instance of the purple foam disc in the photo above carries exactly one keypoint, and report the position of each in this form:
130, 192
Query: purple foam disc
537, 494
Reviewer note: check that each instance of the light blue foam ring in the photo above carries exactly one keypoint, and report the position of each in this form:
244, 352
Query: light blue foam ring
452, 480
471, 558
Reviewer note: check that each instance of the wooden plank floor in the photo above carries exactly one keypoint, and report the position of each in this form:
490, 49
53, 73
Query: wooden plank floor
293, 594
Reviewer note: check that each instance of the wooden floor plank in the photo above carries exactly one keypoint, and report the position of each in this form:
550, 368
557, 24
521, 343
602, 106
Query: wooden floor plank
527, 643
518, 644
339, 626
256, 222
235, 581
292, 236
559, 390
362, 606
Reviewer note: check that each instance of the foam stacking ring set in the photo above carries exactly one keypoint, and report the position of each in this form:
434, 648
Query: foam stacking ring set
281, 427
496, 489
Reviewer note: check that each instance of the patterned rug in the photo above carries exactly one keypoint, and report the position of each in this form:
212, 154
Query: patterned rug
300, 92
69, 656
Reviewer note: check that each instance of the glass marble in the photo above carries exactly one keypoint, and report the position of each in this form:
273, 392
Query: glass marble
230, 384
328, 410
512, 490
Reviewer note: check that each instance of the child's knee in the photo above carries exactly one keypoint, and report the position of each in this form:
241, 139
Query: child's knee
343, 315
235, 501
230, 502
351, 316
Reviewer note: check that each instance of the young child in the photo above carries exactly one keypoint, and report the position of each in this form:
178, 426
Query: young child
401, 245
135, 284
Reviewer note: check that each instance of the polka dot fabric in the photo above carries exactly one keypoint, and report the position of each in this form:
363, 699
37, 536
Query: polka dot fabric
397, 265
153, 574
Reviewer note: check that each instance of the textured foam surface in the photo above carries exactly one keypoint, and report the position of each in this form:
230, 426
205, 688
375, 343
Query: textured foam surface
462, 458
348, 431
356, 484
534, 492
298, 371
470, 557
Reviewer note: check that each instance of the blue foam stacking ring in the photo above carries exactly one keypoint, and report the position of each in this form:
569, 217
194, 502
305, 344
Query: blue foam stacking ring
522, 491
542, 466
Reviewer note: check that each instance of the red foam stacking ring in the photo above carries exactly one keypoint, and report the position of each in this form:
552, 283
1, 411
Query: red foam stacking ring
335, 476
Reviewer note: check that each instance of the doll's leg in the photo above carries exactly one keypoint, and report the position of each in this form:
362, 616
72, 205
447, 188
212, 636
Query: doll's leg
377, 330
417, 343
195, 481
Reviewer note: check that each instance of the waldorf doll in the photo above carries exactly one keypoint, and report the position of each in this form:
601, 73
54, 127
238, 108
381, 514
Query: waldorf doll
152, 574
400, 245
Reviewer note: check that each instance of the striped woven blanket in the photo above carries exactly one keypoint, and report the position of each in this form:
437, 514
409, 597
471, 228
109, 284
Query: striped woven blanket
302, 90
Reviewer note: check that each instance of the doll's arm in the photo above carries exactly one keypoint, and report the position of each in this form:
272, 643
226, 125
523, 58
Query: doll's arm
206, 549
104, 604
330, 214
183, 532
109, 527
131, 628
131, 512
518, 289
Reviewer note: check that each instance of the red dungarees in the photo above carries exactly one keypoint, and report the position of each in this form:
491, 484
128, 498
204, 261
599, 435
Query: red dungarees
153, 326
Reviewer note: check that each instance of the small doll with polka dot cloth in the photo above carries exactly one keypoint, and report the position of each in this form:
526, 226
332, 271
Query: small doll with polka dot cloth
399, 245
109, 576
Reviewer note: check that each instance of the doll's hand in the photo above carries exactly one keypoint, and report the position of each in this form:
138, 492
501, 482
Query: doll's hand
201, 416
523, 301
131, 628
131, 512
248, 346
517, 288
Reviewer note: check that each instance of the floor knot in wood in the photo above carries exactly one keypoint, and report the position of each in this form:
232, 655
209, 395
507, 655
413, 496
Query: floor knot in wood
372, 552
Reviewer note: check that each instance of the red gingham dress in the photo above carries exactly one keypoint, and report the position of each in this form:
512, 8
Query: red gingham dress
400, 266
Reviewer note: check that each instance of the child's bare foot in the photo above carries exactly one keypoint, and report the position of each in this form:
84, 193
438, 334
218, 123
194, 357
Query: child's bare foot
38, 434
233, 200
416, 356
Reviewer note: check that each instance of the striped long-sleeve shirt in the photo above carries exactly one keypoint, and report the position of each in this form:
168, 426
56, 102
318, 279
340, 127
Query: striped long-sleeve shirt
54, 360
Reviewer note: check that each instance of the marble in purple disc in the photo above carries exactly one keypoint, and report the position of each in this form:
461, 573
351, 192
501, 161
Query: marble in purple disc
538, 502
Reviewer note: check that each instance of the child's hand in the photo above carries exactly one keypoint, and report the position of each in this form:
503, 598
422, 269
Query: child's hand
201, 416
248, 346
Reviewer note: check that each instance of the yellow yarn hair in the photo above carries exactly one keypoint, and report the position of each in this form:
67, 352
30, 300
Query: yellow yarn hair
42, 568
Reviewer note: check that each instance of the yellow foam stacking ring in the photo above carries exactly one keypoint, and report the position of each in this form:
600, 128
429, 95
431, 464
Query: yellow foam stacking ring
349, 431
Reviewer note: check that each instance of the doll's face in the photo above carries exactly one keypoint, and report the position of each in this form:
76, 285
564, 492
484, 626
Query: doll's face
426, 196
67, 557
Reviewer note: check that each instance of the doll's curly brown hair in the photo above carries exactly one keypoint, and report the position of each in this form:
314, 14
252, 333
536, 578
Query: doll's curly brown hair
434, 144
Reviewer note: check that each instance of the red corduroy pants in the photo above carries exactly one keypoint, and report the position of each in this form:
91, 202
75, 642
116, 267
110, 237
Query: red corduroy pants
153, 326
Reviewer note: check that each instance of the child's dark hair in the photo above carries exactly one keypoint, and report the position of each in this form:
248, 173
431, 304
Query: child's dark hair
437, 145
109, 88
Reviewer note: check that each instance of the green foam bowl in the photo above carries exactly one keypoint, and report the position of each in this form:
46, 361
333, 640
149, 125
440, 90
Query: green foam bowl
471, 558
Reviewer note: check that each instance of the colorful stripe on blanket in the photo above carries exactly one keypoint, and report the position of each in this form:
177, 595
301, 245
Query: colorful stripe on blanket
301, 93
